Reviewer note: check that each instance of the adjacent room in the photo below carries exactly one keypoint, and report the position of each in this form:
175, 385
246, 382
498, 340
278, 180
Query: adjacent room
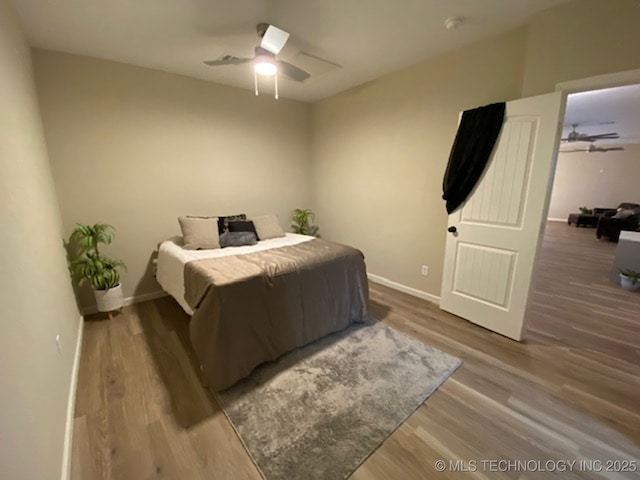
241, 240
592, 231
597, 164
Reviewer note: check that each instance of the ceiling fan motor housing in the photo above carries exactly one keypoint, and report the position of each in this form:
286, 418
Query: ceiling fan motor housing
263, 52
261, 28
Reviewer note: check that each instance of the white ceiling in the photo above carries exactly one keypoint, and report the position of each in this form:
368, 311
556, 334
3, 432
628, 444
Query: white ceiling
604, 111
369, 38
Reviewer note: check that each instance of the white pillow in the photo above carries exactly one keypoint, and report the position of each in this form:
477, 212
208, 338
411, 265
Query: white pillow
199, 233
623, 213
267, 226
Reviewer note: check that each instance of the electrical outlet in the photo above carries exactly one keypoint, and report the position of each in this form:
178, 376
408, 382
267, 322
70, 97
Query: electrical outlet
425, 270
58, 343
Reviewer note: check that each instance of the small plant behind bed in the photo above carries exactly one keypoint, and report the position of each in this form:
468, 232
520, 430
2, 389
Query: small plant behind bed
302, 222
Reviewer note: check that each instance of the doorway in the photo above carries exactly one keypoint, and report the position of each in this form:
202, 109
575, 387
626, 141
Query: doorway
574, 299
481, 255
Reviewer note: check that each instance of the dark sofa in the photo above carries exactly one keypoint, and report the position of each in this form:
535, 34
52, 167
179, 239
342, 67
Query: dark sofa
626, 217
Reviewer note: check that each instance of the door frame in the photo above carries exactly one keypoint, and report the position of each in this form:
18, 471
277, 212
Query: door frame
587, 84
598, 82
609, 80
616, 79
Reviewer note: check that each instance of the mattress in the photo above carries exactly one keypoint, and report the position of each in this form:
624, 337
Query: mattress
172, 259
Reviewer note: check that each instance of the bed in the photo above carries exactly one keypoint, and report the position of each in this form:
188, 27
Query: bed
251, 304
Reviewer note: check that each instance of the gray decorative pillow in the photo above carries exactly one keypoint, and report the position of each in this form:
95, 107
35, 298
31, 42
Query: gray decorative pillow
237, 239
199, 233
267, 226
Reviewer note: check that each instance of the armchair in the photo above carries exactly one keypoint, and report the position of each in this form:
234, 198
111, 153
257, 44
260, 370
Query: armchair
626, 217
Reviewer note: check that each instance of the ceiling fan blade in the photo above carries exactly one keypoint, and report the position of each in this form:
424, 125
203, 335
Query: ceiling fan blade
600, 136
612, 134
293, 72
274, 39
228, 60
590, 138
593, 149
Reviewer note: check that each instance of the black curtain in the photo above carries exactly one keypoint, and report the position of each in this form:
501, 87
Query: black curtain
472, 147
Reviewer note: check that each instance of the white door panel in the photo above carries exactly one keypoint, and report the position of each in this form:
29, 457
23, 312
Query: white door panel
489, 261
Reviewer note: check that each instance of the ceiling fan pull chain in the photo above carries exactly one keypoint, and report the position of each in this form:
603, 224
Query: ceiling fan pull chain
275, 79
255, 82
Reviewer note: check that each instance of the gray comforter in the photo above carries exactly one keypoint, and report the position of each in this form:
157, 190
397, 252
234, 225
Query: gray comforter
252, 308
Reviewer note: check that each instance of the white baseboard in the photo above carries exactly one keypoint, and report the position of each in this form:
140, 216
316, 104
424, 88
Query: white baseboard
71, 405
145, 297
130, 300
403, 288
550, 219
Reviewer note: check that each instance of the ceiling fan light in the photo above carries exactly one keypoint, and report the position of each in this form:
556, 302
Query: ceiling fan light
265, 66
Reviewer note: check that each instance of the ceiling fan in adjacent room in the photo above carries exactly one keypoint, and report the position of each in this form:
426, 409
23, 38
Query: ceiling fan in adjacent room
264, 61
575, 136
592, 149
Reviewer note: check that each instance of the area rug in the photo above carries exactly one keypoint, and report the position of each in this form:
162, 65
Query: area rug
320, 411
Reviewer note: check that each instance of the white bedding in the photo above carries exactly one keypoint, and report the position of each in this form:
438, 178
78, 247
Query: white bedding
172, 258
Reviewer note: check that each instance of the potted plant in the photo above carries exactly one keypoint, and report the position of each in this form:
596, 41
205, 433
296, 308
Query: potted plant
629, 279
302, 222
88, 264
586, 211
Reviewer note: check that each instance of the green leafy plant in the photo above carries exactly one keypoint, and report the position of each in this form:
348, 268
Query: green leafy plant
586, 211
86, 261
302, 222
632, 274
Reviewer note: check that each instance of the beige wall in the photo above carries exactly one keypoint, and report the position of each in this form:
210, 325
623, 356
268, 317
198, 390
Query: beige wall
136, 148
581, 39
370, 160
380, 151
36, 298
595, 180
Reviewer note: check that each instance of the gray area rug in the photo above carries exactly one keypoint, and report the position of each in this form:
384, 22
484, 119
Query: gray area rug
320, 411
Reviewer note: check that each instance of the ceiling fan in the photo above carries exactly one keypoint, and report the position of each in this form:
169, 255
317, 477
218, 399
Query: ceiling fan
592, 149
575, 136
264, 61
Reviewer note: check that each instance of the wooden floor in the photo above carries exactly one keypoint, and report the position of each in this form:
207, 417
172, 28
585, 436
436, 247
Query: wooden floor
570, 392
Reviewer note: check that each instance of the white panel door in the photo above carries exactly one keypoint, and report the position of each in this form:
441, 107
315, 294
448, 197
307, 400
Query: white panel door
490, 258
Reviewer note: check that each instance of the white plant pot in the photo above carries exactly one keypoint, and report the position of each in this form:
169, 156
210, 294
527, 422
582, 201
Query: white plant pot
109, 300
627, 283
